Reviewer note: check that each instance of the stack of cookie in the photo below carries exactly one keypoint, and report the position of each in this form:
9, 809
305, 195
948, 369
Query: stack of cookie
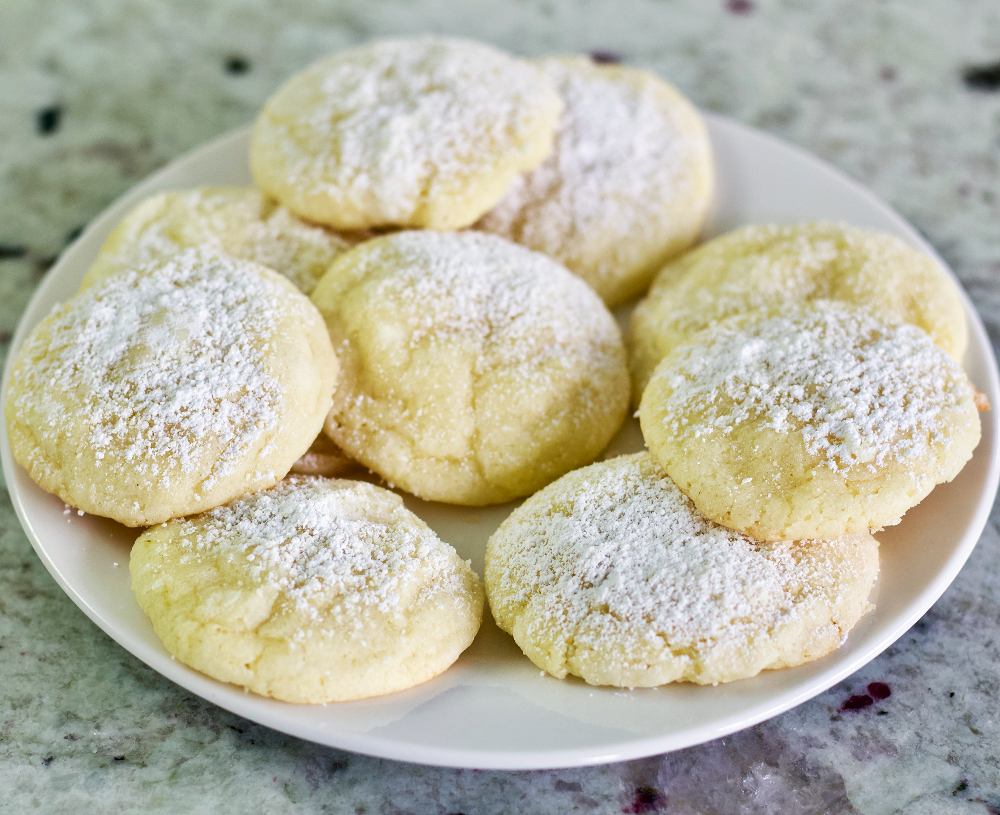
424, 274
797, 391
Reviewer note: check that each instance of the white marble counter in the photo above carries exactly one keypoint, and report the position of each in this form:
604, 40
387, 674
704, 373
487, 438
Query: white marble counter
903, 96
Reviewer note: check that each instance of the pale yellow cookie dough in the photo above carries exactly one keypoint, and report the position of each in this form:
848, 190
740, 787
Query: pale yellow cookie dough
171, 389
766, 266
314, 591
811, 422
474, 371
627, 186
237, 221
611, 574
422, 132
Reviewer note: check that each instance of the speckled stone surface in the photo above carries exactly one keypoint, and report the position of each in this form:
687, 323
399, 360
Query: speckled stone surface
903, 96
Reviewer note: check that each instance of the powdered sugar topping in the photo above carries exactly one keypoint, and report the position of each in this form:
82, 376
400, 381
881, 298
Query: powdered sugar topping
391, 119
312, 538
233, 220
518, 306
620, 153
621, 556
163, 366
765, 266
859, 391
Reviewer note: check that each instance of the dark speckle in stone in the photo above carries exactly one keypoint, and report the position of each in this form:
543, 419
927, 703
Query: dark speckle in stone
951, 694
47, 120
857, 702
42, 265
882, 713
71, 737
887, 73
568, 786
879, 690
236, 64
961, 786
647, 799
982, 77
48, 761
739, 6
9, 251
119, 758
605, 57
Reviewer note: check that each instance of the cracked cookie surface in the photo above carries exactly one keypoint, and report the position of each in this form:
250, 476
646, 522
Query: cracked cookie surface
764, 267
171, 389
473, 371
313, 591
812, 421
628, 183
613, 575
418, 132
237, 221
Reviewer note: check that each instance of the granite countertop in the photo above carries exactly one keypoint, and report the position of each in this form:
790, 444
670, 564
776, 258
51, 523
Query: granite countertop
903, 95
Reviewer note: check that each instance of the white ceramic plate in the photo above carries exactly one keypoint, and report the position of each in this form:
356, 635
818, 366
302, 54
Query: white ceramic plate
493, 709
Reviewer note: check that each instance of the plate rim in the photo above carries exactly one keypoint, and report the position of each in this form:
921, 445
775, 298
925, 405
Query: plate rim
223, 695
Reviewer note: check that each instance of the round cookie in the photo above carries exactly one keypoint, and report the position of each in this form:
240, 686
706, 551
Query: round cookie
313, 591
811, 422
474, 371
171, 389
767, 266
237, 221
627, 185
421, 132
611, 574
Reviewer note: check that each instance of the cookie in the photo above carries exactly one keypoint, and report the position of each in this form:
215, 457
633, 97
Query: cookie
767, 266
474, 371
313, 591
811, 422
421, 132
237, 221
627, 186
170, 390
323, 458
611, 574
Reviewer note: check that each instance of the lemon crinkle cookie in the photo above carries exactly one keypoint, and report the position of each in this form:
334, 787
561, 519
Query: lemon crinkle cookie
473, 370
421, 132
170, 390
612, 574
810, 422
314, 591
628, 183
766, 266
237, 221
